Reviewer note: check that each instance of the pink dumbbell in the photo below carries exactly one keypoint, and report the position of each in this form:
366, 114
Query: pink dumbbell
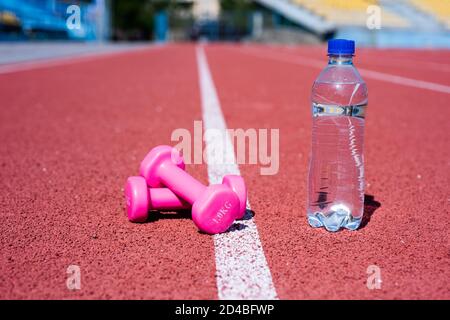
214, 208
141, 199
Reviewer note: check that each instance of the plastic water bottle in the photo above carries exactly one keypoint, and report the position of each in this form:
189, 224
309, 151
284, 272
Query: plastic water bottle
336, 169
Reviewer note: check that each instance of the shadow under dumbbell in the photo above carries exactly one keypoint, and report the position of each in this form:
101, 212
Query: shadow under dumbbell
248, 214
159, 215
238, 226
154, 216
185, 214
234, 227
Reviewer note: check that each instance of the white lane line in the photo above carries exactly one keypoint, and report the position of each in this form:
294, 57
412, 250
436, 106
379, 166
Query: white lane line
381, 76
412, 64
405, 63
404, 81
241, 266
66, 60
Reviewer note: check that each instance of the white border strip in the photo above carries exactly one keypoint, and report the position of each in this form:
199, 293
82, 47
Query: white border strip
381, 76
68, 59
241, 267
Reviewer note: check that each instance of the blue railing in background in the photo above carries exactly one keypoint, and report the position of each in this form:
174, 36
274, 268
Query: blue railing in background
46, 19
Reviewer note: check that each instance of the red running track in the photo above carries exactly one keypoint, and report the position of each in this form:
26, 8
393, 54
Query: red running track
71, 134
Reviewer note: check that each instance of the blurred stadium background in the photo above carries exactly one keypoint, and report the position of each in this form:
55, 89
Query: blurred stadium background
404, 23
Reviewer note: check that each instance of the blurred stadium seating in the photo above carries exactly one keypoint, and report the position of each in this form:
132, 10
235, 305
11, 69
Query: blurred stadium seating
404, 23
440, 9
354, 12
350, 12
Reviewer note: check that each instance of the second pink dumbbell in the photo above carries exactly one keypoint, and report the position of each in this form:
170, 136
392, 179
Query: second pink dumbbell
141, 199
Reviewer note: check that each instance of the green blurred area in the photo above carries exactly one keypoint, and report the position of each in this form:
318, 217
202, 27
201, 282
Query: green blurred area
134, 19
237, 12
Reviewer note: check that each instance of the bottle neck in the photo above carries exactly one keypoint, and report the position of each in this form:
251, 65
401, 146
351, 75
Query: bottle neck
340, 59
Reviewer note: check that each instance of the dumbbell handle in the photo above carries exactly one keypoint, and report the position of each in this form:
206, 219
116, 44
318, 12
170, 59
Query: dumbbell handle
180, 182
165, 199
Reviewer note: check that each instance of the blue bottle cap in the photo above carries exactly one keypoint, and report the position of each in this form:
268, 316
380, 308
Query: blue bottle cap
341, 46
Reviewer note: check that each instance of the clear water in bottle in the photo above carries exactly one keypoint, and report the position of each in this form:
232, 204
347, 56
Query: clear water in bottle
336, 171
